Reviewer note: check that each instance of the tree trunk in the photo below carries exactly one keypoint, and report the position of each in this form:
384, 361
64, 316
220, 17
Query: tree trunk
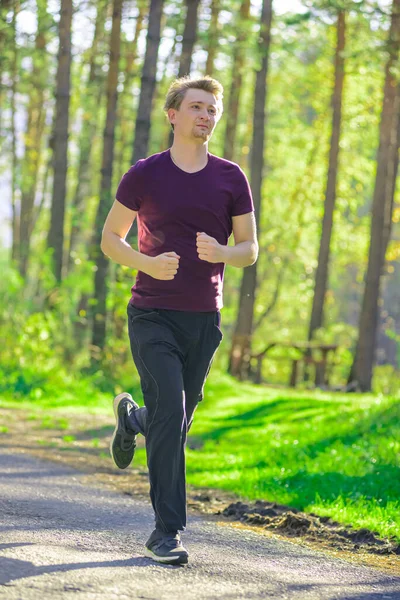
171, 59
129, 56
55, 238
14, 158
189, 37
33, 136
213, 32
188, 41
101, 261
91, 102
321, 276
238, 66
387, 163
241, 342
125, 100
5, 37
148, 82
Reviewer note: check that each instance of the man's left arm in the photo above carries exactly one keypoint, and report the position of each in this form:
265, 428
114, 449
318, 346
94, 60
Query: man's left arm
242, 254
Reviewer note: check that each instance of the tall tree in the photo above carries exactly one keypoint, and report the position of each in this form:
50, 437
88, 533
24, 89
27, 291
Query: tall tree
55, 238
189, 37
188, 41
238, 66
241, 341
212, 37
101, 261
130, 68
130, 51
382, 208
321, 276
148, 82
5, 40
91, 101
14, 159
34, 134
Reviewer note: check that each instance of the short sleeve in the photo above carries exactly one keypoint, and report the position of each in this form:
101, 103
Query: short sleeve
131, 187
243, 199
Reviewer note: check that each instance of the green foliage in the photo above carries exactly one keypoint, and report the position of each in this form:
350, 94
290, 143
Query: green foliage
42, 350
386, 380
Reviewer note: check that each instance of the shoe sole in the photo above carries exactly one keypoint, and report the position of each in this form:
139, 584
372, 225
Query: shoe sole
116, 401
166, 560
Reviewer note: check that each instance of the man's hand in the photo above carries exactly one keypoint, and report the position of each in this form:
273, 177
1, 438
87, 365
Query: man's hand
209, 249
164, 266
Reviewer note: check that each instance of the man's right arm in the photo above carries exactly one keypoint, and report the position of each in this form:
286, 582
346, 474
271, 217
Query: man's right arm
113, 244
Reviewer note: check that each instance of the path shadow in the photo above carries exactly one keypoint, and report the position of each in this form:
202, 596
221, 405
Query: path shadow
13, 569
278, 410
303, 590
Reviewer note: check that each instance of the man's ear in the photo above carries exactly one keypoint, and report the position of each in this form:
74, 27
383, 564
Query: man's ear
171, 115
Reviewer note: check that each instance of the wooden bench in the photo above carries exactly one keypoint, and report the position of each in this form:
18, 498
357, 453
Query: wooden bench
307, 350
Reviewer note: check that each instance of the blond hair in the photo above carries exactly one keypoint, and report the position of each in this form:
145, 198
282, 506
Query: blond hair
179, 87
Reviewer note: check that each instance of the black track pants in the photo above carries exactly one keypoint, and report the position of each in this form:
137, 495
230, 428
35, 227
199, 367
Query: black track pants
173, 351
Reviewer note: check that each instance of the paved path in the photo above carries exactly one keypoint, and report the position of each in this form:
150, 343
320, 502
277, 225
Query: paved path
60, 538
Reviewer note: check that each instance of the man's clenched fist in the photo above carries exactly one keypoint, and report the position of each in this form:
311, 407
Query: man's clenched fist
209, 249
164, 266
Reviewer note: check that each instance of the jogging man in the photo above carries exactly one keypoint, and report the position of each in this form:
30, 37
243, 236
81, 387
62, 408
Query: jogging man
187, 202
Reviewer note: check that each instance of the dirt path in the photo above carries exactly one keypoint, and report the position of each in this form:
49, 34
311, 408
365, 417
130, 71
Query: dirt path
60, 535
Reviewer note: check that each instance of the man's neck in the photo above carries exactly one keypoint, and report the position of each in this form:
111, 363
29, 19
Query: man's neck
189, 157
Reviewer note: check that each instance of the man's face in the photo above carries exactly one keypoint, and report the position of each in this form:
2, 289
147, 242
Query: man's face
197, 116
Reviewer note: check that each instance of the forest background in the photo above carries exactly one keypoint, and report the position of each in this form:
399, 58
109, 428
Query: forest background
306, 89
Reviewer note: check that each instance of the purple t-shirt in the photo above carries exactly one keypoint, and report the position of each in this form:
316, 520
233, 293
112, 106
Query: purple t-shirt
172, 207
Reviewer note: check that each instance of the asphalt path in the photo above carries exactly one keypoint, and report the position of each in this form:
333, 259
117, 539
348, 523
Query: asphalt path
63, 538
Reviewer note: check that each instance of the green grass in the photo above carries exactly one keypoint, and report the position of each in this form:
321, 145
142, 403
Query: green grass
332, 454
328, 453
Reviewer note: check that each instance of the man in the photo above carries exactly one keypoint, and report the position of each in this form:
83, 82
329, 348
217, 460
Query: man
187, 202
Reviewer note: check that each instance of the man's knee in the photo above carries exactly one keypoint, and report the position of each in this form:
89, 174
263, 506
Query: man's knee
167, 417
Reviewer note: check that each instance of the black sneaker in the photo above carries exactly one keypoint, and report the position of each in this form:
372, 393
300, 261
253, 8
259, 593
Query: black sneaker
166, 548
123, 441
